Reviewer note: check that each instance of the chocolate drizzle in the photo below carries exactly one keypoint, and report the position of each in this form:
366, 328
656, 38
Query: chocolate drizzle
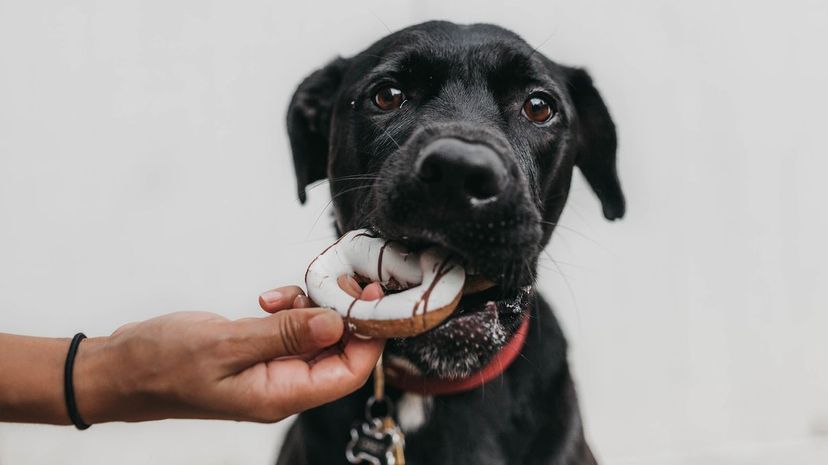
442, 270
379, 260
348, 313
364, 234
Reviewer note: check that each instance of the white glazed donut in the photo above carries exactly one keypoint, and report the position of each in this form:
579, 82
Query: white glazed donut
432, 284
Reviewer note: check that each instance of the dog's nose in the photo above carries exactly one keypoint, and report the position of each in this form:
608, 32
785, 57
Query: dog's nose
461, 170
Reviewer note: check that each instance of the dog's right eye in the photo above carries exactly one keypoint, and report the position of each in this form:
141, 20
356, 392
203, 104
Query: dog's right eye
389, 98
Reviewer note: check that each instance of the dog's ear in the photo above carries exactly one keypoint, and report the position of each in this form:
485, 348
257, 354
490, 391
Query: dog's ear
309, 121
596, 143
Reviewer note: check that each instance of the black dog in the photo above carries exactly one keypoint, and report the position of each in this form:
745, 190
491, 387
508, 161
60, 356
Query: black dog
466, 137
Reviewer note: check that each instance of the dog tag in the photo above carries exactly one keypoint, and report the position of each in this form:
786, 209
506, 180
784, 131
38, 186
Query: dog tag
372, 443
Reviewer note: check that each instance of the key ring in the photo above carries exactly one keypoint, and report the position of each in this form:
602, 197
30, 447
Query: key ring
378, 408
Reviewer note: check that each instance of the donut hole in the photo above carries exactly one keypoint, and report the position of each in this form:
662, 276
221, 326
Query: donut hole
389, 287
357, 287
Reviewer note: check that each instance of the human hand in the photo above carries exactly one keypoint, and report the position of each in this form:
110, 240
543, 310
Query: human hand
201, 365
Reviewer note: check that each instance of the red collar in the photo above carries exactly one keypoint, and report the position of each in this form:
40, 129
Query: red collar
405, 381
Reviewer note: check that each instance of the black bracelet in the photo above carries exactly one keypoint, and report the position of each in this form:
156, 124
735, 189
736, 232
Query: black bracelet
68, 386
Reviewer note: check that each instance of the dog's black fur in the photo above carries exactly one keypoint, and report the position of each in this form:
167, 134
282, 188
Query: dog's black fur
500, 184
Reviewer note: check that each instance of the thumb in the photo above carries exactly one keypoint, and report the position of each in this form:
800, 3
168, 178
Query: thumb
289, 332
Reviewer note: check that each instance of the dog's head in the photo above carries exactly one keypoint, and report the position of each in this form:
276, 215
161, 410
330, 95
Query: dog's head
462, 136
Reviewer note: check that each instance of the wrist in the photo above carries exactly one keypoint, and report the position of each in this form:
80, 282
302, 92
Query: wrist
98, 395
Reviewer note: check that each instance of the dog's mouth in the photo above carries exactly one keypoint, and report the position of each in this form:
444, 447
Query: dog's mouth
468, 339
488, 313
482, 293
490, 307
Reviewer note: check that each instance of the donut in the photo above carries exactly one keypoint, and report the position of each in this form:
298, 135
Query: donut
423, 288
476, 283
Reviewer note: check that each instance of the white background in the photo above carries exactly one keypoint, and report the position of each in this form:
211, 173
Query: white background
144, 168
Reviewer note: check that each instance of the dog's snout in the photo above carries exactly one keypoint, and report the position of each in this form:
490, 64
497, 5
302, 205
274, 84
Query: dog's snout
453, 169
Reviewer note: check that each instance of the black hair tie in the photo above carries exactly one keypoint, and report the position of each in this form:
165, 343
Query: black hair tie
68, 386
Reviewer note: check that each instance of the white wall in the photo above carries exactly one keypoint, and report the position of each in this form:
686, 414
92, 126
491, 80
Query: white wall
144, 168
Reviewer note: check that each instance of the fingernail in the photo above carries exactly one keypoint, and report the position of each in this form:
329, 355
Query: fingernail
271, 297
326, 327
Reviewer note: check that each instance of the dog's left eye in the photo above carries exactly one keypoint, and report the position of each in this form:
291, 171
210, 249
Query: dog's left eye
389, 98
538, 109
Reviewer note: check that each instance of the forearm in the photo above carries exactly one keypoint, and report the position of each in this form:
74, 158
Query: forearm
31, 379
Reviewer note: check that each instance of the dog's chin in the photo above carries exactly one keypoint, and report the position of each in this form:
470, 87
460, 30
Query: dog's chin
466, 341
